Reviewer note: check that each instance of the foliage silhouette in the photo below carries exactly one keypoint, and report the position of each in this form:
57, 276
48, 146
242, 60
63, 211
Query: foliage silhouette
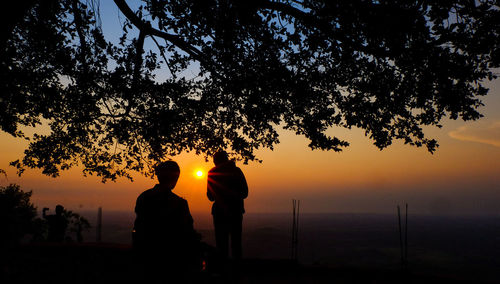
77, 224
17, 214
18, 217
70, 223
387, 67
74, 226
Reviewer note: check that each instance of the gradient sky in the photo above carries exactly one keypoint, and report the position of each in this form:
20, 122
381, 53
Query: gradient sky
462, 177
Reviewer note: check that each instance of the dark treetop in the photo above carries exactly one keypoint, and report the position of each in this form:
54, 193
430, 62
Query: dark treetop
387, 67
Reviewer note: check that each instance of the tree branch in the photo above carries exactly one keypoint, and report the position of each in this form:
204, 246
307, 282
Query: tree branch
321, 24
305, 17
287, 9
149, 30
139, 49
11, 14
163, 55
81, 35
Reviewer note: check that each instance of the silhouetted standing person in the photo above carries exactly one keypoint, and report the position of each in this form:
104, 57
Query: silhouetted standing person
227, 187
57, 224
163, 229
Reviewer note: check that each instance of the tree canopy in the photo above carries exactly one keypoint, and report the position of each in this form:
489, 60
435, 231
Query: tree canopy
387, 67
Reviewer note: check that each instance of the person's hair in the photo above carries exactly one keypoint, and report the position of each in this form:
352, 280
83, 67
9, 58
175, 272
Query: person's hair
167, 171
220, 157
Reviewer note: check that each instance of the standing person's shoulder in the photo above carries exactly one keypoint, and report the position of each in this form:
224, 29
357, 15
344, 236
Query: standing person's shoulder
212, 170
236, 168
230, 166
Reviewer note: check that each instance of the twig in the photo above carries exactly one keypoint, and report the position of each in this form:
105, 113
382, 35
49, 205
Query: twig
163, 55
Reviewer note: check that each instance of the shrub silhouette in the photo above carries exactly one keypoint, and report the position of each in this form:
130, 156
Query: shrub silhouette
17, 214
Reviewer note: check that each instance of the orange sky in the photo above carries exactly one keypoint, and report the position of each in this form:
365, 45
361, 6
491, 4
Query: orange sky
462, 177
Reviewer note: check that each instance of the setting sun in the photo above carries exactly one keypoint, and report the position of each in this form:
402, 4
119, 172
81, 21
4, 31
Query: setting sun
199, 174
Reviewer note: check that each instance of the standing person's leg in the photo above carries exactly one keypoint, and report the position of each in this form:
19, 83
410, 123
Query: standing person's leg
221, 227
236, 228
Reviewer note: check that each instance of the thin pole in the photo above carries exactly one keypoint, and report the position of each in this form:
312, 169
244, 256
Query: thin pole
297, 232
406, 235
99, 224
400, 235
293, 229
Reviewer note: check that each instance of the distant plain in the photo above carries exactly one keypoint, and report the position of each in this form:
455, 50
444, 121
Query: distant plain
463, 246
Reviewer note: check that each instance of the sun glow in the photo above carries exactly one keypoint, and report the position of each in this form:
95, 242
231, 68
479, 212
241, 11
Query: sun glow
199, 174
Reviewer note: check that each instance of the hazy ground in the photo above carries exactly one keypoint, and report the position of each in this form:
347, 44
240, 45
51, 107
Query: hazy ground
340, 248
465, 247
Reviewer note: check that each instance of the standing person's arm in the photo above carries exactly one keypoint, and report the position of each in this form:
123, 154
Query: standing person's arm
243, 184
210, 192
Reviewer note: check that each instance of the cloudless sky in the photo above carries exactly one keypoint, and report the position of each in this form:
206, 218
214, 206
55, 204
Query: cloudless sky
462, 177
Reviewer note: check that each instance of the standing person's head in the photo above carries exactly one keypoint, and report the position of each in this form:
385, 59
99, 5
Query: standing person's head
220, 158
59, 209
167, 173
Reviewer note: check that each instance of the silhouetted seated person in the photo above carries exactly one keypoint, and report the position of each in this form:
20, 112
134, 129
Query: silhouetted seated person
163, 230
57, 224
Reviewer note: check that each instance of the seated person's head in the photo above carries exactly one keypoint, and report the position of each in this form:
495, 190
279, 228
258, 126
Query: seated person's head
167, 173
220, 158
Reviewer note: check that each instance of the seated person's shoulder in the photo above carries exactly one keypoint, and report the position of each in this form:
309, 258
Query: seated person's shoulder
147, 194
176, 198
